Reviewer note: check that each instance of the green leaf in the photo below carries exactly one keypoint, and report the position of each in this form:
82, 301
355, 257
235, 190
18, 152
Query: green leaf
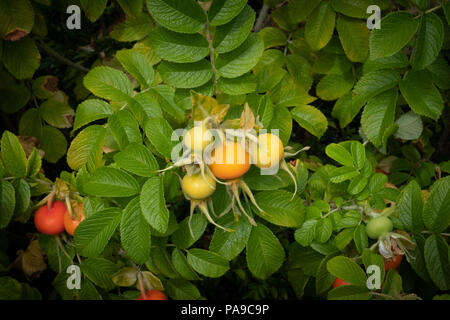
440, 73
354, 36
410, 126
94, 9
330, 62
300, 70
159, 133
22, 196
137, 159
144, 106
161, 261
282, 120
357, 185
343, 238
186, 75
397, 60
31, 123
13, 155
135, 233
132, 29
93, 233
56, 113
223, 11
430, 39
417, 260
153, 204
208, 263
358, 154
13, 96
165, 97
177, 47
137, 65
182, 236
34, 163
21, 58
264, 253
88, 291
421, 94
108, 83
378, 115
281, 16
360, 238
298, 280
230, 244
310, 118
256, 181
397, 30
357, 8
279, 209
54, 143
334, 86
320, 26
237, 86
91, 110
347, 270
324, 279
299, 10
323, 230
181, 264
131, 7
10, 289
349, 292
410, 206
181, 289
231, 35
100, 271
111, 182
16, 17
242, 59
372, 84
270, 57
305, 235
289, 94
269, 77
437, 262
262, 107
87, 148
340, 154
341, 174
371, 258
273, 37
436, 215
7, 203
124, 128
183, 16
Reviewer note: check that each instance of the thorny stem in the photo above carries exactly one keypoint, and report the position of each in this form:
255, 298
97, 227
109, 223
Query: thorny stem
211, 56
288, 40
45, 48
261, 17
69, 207
50, 198
141, 284
442, 234
428, 11
433, 9
354, 207
61, 246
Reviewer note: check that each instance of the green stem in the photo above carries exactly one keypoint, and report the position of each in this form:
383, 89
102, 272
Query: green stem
211, 56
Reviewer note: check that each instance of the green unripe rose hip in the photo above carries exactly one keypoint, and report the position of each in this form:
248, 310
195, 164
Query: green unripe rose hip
378, 226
